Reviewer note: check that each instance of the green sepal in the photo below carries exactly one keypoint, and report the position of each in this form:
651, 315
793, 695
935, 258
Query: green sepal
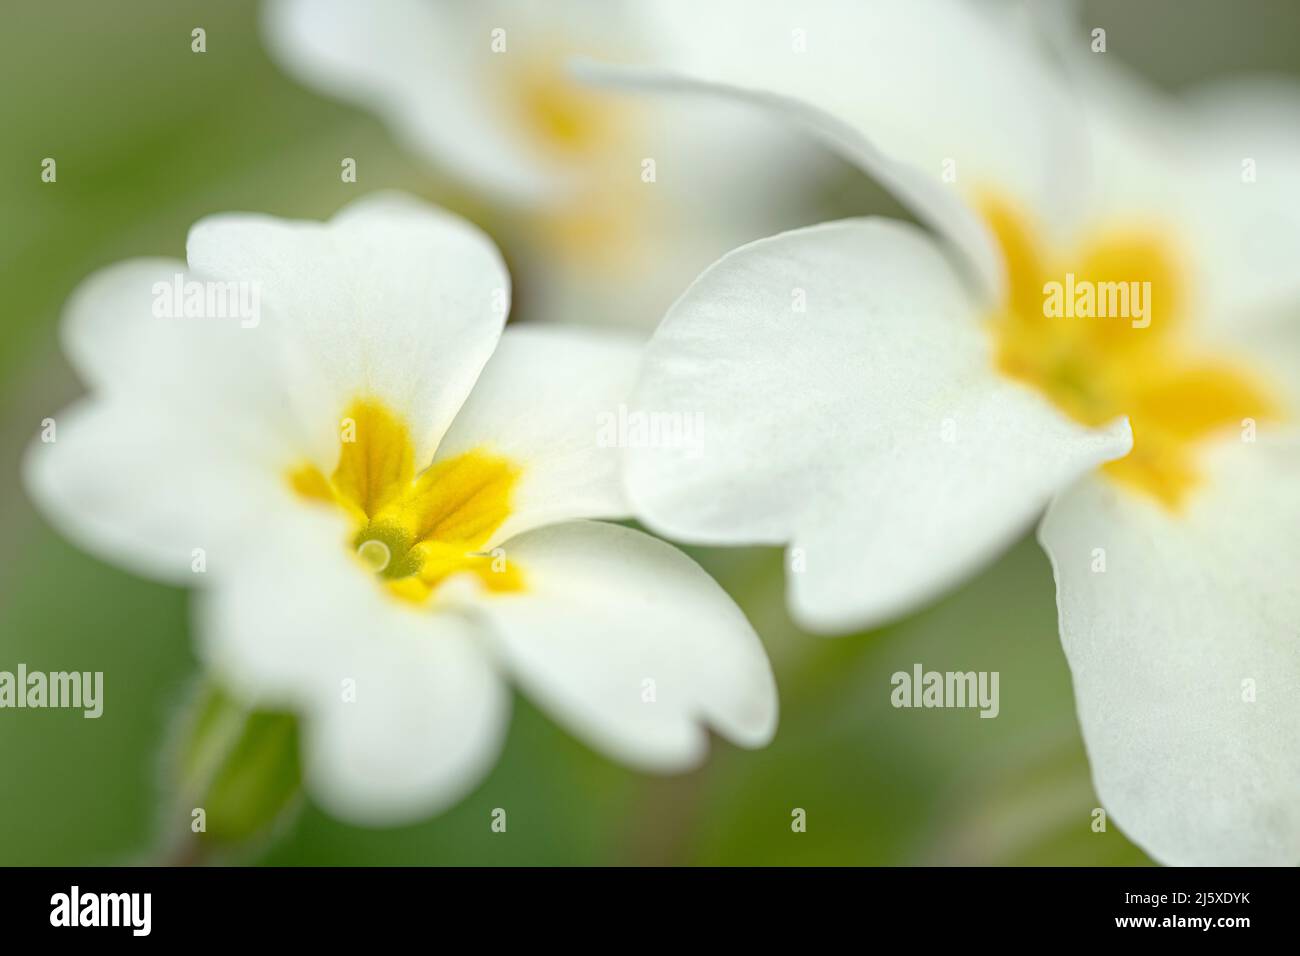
238, 765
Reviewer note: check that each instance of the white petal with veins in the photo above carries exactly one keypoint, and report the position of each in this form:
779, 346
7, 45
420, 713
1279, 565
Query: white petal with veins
870, 429
630, 644
888, 83
103, 483
541, 402
403, 711
1184, 655
392, 299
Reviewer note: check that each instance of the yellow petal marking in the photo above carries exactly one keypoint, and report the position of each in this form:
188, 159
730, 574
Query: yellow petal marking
1097, 368
604, 220
562, 118
415, 531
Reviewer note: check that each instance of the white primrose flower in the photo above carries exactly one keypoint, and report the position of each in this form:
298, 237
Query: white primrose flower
1105, 327
380, 497
617, 203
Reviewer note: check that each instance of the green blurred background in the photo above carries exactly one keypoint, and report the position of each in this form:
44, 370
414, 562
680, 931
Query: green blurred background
149, 137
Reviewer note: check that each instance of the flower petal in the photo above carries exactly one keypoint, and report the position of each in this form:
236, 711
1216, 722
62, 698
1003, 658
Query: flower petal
403, 712
1217, 174
392, 299
1184, 655
163, 467
482, 90
1243, 199
412, 63
859, 74
473, 86
425, 728
935, 206
135, 487
150, 467
540, 403
109, 331
1219, 167
127, 333
846, 402
630, 644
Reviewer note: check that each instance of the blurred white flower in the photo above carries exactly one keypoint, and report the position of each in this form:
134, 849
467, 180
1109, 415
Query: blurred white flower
618, 202
897, 409
379, 497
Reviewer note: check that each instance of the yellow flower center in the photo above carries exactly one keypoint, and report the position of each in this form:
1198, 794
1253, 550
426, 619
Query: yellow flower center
1101, 331
590, 134
562, 118
414, 531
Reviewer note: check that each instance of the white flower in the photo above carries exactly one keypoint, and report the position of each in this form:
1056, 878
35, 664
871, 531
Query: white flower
384, 495
897, 410
617, 203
